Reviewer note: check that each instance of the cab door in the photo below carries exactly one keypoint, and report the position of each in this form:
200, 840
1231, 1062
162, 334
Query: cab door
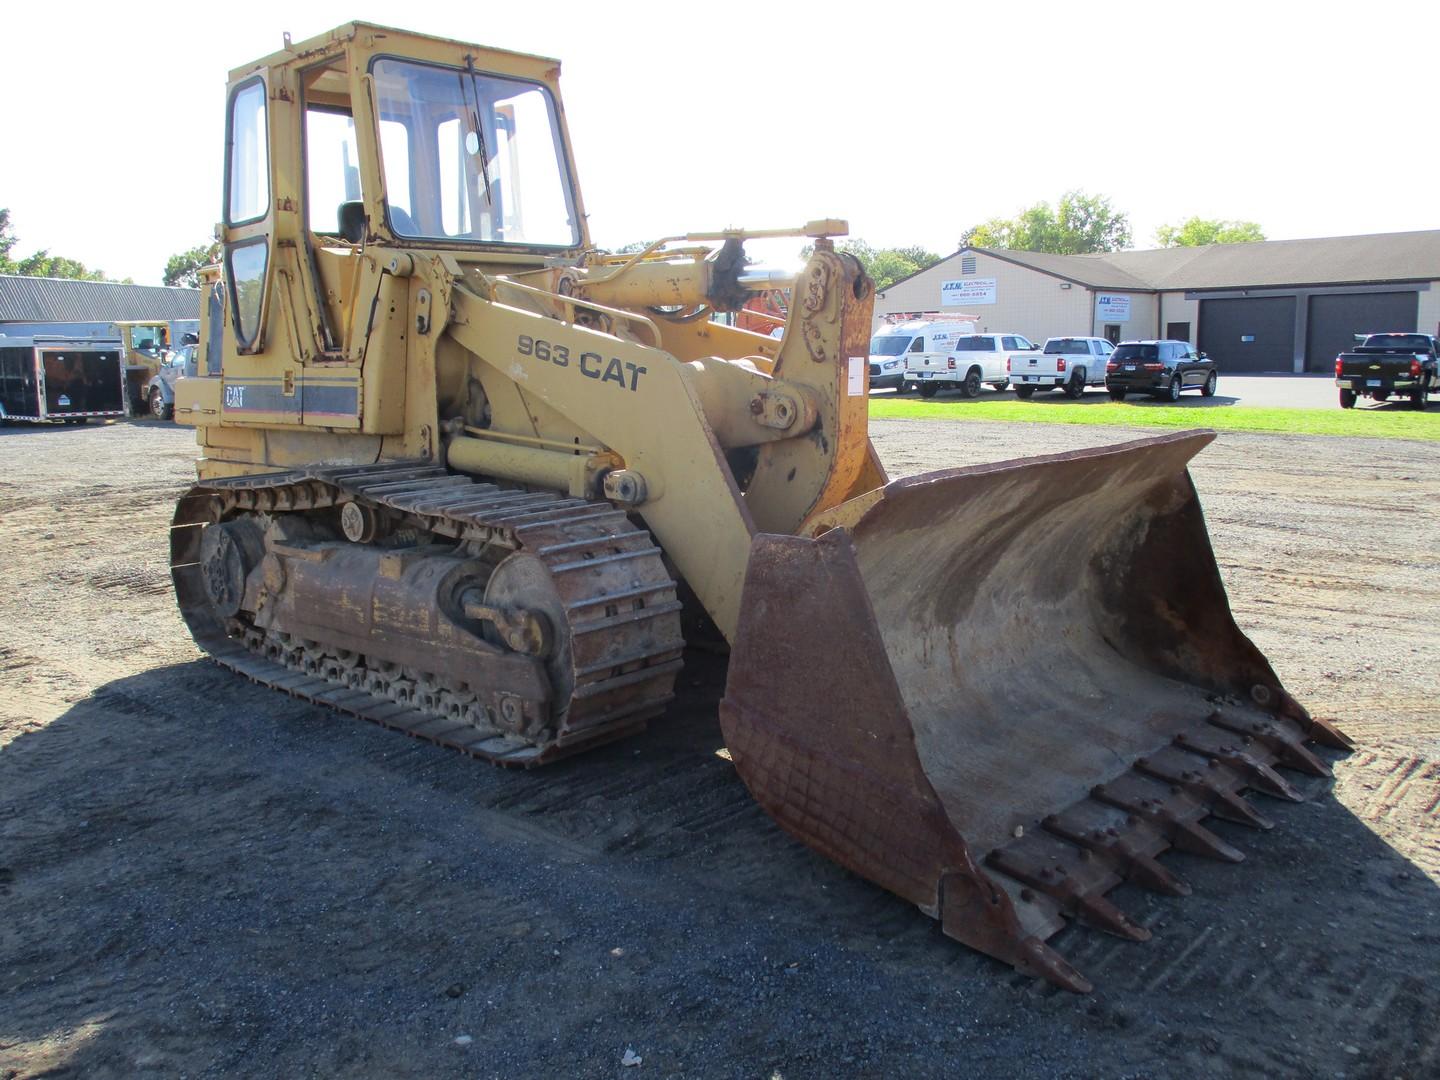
248, 217
259, 384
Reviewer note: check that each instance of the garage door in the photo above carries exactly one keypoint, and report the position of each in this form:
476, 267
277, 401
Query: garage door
1335, 319
1254, 333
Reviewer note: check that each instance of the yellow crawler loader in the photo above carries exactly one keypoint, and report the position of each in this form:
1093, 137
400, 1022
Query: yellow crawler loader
462, 474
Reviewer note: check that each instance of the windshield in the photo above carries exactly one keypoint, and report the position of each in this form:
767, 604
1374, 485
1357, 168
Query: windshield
1398, 341
1065, 345
889, 344
147, 339
471, 156
975, 344
1136, 352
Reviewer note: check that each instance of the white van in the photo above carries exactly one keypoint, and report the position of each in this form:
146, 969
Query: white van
895, 348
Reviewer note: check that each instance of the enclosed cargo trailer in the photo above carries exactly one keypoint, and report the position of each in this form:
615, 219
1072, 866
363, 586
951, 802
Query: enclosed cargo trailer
51, 378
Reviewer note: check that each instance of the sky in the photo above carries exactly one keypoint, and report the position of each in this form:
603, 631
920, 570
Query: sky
912, 121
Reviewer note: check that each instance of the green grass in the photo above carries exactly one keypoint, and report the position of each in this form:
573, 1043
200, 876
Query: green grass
1388, 422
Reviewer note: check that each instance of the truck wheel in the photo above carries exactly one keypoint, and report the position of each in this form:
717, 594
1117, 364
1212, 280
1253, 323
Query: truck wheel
1417, 398
158, 409
1002, 385
929, 389
1117, 395
1347, 399
1208, 390
1381, 395
1172, 392
1076, 386
1024, 393
971, 386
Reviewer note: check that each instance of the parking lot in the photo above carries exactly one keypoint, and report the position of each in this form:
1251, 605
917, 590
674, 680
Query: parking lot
1262, 391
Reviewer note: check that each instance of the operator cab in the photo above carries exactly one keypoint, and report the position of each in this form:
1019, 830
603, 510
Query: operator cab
466, 156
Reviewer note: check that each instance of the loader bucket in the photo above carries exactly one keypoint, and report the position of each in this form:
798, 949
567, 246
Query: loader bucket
1003, 690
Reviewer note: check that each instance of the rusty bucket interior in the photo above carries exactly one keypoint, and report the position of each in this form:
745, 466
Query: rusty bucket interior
1000, 691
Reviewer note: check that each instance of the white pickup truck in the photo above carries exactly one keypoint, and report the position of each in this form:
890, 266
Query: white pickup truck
974, 359
1069, 362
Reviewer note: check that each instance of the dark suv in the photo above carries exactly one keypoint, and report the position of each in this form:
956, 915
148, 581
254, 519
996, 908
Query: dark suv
1159, 368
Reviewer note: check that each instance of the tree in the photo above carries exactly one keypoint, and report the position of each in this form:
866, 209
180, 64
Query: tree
8, 240
41, 263
884, 265
1197, 232
1078, 225
183, 269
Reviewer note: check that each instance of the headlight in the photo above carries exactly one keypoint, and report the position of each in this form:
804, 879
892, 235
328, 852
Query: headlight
892, 363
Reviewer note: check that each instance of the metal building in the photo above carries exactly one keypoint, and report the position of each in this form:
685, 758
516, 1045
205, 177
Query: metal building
35, 305
1278, 305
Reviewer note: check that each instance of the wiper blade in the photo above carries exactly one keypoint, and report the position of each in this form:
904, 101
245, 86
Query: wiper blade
477, 128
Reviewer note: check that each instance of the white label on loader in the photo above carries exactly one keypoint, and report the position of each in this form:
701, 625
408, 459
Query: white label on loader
857, 376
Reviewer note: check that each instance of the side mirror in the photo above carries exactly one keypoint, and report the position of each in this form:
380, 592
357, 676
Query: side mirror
1204, 356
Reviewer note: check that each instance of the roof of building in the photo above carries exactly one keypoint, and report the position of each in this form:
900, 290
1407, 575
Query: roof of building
58, 300
1330, 260
1090, 270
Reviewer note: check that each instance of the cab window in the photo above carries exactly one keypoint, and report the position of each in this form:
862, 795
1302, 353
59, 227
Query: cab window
918, 345
249, 174
332, 167
472, 156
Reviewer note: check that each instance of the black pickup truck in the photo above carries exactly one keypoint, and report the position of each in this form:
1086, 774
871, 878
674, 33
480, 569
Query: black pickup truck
1405, 365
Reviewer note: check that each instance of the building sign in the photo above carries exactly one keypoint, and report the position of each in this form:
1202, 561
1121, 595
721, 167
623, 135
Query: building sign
962, 293
1112, 308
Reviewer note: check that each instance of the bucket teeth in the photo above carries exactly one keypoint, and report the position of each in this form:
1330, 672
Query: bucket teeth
1121, 850
1035, 958
1286, 744
1094, 910
1145, 870
1327, 734
1214, 784
1048, 865
1226, 750
1181, 828
1315, 728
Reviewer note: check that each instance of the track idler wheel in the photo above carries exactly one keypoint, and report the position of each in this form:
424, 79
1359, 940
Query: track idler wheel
228, 552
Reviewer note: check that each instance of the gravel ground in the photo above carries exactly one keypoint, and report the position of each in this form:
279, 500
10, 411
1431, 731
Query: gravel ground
200, 876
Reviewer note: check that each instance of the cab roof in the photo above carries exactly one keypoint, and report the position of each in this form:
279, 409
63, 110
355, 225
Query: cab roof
334, 40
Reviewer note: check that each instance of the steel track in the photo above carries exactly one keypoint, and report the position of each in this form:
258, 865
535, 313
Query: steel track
619, 598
